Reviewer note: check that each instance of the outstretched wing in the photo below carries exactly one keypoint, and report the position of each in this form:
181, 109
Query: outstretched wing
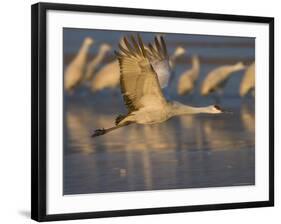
139, 83
159, 60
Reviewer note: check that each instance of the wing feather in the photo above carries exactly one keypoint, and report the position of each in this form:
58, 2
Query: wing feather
139, 83
159, 59
129, 47
124, 50
143, 51
164, 47
153, 52
136, 46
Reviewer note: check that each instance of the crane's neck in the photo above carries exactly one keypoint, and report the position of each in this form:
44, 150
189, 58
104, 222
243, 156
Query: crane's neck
94, 63
176, 54
181, 109
195, 64
82, 54
98, 59
195, 68
235, 68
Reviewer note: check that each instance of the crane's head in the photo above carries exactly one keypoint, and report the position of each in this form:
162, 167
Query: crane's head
105, 47
88, 41
239, 66
215, 109
179, 51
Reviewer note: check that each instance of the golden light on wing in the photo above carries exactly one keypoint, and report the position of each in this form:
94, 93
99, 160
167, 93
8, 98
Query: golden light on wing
158, 51
139, 83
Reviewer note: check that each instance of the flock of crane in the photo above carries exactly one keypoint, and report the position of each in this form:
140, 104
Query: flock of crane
108, 76
144, 72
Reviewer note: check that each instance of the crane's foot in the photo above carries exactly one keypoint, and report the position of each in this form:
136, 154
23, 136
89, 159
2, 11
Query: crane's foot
98, 132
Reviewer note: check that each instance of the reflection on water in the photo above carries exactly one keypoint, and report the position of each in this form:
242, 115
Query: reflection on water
184, 152
248, 118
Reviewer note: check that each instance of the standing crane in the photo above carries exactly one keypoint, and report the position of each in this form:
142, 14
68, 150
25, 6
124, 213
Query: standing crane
188, 78
248, 82
141, 88
75, 71
92, 66
217, 78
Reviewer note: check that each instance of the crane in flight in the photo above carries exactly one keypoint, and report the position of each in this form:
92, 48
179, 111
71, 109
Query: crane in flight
140, 69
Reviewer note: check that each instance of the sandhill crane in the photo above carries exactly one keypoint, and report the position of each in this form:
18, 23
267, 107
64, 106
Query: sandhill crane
188, 79
217, 78
76, 69
92, 66
109, 75
248, 82
141, 89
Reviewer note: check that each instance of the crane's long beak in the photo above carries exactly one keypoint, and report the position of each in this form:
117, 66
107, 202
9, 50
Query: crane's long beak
223, 110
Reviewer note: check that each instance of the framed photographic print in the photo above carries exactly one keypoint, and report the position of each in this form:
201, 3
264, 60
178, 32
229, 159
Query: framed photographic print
138, 111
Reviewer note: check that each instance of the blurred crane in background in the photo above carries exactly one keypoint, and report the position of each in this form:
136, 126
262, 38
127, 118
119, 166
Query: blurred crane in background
96, 61
75, 71
248, 81
188, 78
216, 80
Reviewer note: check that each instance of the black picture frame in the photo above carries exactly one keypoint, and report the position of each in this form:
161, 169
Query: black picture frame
38, 108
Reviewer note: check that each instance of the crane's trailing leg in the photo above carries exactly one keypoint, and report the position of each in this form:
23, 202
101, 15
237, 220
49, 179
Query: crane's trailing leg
103, 131
118, 122
98, 132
